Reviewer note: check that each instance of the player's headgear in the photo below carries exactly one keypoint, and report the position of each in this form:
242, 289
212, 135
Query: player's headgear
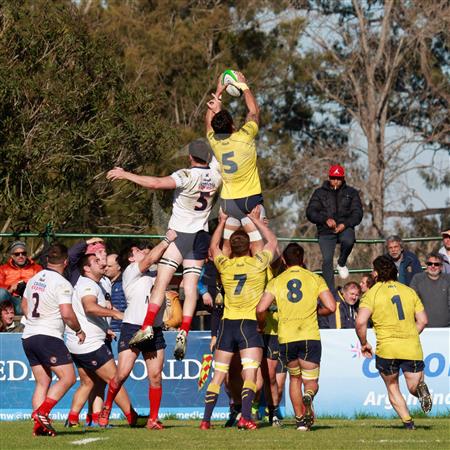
201, 150
336, 171
239, 243
222, 122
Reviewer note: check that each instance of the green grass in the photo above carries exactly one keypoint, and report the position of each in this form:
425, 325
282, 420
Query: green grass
326, 434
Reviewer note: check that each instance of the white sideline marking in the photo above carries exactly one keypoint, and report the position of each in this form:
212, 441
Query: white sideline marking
397, 441
87, 441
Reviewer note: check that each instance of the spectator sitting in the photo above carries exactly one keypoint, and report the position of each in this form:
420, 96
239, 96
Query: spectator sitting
118, 300
367, 281
433, 288
444, 251
406, 262
15, 274
346, 308
7, 324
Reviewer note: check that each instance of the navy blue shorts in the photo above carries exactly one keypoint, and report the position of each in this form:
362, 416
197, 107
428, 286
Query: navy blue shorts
193, 245
391, 366
240, 207
94, 360
46, 351
234, 335
271, 347
309, 350
281, 367
148, 346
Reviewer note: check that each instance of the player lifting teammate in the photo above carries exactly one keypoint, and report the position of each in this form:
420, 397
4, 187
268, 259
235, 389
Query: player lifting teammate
295, 293
195, 189
398, 318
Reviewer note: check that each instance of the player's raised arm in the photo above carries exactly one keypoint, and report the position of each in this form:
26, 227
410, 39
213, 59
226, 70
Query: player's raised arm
250, 100
155, 253
146, 181
214, 246
213, 107
271, 240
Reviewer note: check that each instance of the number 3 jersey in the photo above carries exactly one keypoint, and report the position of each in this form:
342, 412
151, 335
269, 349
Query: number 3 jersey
44, 293
243, 280
137, 287
296, 291
393, 306
193, 198
237, 157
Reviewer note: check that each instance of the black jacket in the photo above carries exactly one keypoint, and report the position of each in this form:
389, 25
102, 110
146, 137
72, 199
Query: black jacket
343, 205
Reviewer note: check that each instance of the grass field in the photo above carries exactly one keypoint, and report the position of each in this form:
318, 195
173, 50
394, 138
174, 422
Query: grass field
333, 434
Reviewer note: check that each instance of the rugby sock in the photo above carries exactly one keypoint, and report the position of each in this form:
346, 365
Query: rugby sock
74, 417
88, 419
47, 406
131, 416
310, 393
186, 324
95, 417
152, 312
407, 419
248, 394
113, 389
211, 396
154, 395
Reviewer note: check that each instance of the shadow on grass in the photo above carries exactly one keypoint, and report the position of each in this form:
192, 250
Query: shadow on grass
401, 427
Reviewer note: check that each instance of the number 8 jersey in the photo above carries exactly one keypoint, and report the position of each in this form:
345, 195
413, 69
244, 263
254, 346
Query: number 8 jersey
44, 293
193, 197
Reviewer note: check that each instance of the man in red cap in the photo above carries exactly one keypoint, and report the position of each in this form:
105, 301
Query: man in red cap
336, 210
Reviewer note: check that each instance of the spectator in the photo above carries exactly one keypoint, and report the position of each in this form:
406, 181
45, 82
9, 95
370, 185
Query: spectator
433, 288
406, 262
336, 210
118, 300
346, 308
444, 251
7, 324
367, 281
15, 274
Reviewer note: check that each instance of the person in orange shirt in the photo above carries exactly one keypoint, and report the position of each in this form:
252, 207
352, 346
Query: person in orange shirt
15, 273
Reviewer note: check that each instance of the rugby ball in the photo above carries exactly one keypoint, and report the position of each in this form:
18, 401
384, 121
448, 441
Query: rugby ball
230, 76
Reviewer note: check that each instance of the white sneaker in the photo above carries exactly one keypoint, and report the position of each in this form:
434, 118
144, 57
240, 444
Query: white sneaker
141, 335
343, 271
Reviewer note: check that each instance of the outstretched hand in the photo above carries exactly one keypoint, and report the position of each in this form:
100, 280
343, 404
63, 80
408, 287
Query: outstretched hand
116, 174
255, 213
215, 104
171, 235
222, 216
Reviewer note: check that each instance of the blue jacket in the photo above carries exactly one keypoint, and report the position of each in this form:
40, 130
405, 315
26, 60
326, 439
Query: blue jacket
409, 266
119, 302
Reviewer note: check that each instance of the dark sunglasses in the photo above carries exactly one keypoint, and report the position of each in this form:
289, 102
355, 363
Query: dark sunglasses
20, 254
429, 263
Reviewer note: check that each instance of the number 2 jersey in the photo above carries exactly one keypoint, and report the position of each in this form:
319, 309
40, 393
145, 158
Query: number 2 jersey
296, 291
193, 198
393, 306
237, 157
44, 292
243, 280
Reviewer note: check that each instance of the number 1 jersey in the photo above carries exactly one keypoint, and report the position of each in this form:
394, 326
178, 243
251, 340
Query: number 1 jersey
44, 293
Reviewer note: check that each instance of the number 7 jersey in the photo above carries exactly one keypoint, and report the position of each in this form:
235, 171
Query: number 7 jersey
194, 197
44, 293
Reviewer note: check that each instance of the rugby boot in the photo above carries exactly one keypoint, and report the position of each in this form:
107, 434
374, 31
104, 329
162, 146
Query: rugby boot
103, 417
409, 425
425, 399
141, 336
245, 424
301, 424
308, 415
69, 424
180, 345
39, 431
154, 425
235, 415
205, 425
44, 421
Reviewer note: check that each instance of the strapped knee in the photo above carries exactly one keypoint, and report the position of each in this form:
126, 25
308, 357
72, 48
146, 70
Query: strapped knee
231, 225
295, 371
311, 374
221, 367
249, 363
195, 270
168, 262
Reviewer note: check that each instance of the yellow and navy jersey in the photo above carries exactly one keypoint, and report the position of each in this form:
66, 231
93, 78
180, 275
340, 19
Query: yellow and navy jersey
243, 280
237, 157
296, 292
393, 306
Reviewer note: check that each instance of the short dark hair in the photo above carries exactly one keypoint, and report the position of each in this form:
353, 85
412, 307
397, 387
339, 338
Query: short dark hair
239, 243
370, 279
222, 122
57, 253
5, 304
293, 254
385, 268
127, 251
84, 261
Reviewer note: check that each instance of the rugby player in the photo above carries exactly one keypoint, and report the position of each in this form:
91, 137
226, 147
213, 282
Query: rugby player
243, 278
93, 358
295, 293
138, 279
398, 318
47, 305
235, 150
195, 189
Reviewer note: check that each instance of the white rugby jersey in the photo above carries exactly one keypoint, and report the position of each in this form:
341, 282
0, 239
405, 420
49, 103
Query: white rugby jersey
93, 326
44, 292
137, 287
193, 198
